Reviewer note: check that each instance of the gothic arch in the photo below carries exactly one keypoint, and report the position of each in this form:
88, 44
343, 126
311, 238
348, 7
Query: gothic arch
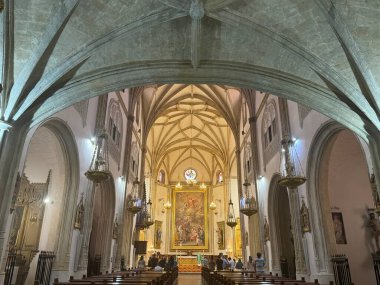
104, 210
273, 228
69, 148
321, 139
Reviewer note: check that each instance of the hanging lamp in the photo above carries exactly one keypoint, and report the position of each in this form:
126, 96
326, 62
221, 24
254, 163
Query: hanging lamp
290, 167
134, 204
248, 204
99, 167
231, 219
148, 210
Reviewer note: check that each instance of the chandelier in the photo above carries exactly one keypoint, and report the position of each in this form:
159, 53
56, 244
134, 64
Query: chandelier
99, 167
248, 205
231, 219
144, 218
290, 167
134, 205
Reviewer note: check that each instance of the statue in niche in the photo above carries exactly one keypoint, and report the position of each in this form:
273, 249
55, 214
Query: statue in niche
305, 219
374, 226
79, 214
115, 230
266, 230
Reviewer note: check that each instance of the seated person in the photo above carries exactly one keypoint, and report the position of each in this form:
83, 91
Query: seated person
239, 264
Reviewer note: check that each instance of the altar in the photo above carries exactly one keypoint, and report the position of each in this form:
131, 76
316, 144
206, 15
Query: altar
189, 263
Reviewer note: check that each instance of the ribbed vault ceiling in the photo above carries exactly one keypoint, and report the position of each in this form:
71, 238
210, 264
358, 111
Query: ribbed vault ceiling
191, 126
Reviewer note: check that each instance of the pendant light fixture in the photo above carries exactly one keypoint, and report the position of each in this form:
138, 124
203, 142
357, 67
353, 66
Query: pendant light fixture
290, 168
99, 167
134, 205
231, 219
248, 204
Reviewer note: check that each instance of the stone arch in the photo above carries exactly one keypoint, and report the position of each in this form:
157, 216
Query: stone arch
71, 160
102, 226
273, 229
322, 248
241, 75
318, 196
320, 140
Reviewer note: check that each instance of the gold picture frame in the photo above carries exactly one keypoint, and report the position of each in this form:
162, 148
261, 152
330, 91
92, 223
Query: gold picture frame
190, 219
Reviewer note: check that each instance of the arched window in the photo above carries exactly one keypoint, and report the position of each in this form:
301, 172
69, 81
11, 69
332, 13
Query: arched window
161, 177
114, 129
270, 124
270, 136
219, 177
115, 122
248, 159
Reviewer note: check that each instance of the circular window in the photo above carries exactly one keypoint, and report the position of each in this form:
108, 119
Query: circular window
190, 174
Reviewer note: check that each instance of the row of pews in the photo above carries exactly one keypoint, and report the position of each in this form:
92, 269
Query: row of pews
248, 278
125, 277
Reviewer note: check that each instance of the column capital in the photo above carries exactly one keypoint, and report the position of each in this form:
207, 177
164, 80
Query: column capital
5, 126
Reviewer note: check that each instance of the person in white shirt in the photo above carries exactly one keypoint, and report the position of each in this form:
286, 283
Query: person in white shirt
231, 263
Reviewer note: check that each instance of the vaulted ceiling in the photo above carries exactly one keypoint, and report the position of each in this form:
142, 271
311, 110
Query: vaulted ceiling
191, 126
321, 53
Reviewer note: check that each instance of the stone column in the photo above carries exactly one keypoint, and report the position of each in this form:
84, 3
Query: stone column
240, 191
125, 228
294, 204
11, 142
255, 243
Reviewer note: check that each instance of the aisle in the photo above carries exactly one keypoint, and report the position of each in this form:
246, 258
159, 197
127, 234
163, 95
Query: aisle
189, 279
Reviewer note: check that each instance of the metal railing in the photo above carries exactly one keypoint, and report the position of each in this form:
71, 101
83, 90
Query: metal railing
9, 267
94, 265
44, 266
341, 269
284, 267
376, 265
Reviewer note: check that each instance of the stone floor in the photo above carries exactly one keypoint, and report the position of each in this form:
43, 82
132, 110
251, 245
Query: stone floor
189, 279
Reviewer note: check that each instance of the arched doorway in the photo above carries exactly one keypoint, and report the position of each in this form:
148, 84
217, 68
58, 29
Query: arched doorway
46, 188
338, 169
99, 248
282, 243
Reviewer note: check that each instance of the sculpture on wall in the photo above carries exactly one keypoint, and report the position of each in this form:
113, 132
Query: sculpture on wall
115, 230
305, 219
374, 226
221, 232
79, 214
266, 230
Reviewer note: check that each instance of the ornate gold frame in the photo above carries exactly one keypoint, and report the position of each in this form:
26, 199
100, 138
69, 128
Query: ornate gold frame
190, 189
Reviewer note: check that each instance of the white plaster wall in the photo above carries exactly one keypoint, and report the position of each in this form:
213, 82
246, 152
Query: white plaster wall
304, 137
350, 193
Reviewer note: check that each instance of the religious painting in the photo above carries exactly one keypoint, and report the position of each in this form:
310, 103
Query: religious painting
189, 227
157, 234
221, 235
340, 235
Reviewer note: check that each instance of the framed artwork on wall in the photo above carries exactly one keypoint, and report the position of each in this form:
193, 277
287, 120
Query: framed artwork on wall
221, 235
157, 234
340, 234
190, 224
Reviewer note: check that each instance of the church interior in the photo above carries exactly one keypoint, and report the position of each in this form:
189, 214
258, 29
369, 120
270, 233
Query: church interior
189, 130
